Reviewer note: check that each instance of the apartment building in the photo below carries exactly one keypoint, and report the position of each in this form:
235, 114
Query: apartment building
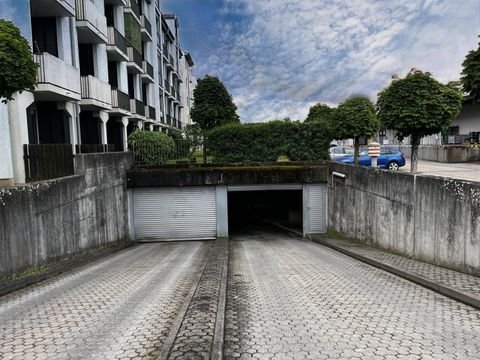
106, 68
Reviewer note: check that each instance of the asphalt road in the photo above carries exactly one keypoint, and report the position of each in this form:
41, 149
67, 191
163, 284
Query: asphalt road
462, 171
293, 299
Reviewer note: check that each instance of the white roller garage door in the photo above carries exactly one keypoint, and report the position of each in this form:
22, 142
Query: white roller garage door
181, 213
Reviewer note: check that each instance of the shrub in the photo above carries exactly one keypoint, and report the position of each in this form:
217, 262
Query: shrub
266, 142
151, 148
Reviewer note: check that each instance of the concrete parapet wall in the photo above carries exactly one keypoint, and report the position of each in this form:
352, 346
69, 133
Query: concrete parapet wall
445, 153
51, 220
431, 219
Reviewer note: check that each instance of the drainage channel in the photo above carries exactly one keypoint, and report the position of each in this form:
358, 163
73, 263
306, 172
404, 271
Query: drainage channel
198, 331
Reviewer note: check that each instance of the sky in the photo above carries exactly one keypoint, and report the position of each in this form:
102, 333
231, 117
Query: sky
279, 57
17, 11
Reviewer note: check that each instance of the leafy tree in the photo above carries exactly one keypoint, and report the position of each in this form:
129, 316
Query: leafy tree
323, 115
418, 106
193, 133
471, 75
18, 71
212, 106
355, 118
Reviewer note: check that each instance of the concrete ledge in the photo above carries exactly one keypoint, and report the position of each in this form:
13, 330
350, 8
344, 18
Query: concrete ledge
61, 267
427, 283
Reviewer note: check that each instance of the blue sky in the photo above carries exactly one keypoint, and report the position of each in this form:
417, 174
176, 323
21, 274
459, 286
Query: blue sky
17, 11
279, 57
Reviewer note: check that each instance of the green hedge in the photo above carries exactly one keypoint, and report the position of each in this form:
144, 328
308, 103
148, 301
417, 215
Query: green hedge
265, 142
151, 148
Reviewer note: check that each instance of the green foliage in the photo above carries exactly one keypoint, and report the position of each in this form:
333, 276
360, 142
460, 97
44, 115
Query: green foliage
133, 32
18, 71
193, 133
266, 142
323, 115
355, 117
151, 148
471, 75
213, 105
418, 105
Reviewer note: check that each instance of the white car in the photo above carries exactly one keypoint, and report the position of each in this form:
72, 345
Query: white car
338, 151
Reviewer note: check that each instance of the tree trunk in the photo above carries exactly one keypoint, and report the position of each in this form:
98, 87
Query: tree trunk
204, 146
414, 157
357, 150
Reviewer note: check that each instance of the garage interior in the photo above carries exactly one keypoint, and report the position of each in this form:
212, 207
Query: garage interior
248, 209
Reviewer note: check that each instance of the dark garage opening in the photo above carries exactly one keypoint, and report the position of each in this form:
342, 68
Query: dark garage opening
247, 209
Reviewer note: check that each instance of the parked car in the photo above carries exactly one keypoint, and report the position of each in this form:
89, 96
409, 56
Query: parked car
339, 151
390, 158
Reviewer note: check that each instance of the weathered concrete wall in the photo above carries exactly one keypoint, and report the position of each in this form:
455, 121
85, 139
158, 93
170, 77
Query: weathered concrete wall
445, 153
430, 219
50, 220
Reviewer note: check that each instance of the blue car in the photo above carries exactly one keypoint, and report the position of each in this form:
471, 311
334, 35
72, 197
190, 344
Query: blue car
390, 158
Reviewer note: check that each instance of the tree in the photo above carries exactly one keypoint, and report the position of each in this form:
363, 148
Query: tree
18, 71
323, 115
212, 106
471, 75
418, 106
355, 118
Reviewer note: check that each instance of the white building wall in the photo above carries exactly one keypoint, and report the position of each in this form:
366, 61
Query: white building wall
469, 119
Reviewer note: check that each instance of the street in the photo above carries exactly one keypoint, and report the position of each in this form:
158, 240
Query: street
287, 298
461, 171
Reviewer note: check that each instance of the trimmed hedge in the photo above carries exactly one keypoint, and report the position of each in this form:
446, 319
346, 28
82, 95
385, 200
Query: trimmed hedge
151, 148
265, 142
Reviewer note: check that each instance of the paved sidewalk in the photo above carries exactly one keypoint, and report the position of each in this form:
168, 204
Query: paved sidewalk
457, 285
462, 171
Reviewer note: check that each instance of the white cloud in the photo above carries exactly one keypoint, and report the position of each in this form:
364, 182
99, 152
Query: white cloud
290, 54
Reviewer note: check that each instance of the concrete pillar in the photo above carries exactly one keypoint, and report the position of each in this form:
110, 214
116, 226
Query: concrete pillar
125, 135
140, 124
17, 115
222, 211
100, 62
72, 110
6, 167
64, 40
103, 126
122, 76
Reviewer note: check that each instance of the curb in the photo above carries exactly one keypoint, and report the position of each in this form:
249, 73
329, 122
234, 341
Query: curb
61, 267
419, 280
219, 336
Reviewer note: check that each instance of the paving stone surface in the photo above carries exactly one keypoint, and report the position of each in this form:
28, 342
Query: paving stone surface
121, 307
293, 299
464, 283
195, 337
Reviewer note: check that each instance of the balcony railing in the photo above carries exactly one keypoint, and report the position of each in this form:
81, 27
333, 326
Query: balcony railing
87, 11
53, 71
146, 24
171, 59
165, 50
169, 119
137, 107
173, 91
120, 100
117, 39
135, 57
96, 90
135, 8
150, 112
147, 68
166, 85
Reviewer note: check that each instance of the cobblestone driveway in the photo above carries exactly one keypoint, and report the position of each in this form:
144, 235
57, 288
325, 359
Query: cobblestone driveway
293, 299
121, 307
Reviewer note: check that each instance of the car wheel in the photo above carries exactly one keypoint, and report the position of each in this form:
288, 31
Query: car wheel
393, 166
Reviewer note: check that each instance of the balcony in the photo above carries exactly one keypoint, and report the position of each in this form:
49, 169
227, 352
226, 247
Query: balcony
165, 51
135, 61
146, 29
133, 7
137, 107
169, 119
170, 57
166, 85
150, 113
147, 75
116, 45
96, 94
91, 23
57, 8
56, 80
120, 102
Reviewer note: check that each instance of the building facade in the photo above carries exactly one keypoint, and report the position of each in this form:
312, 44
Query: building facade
106, 68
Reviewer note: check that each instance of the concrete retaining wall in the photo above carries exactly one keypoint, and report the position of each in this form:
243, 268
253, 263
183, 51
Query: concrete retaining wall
51, 220
430, 219
445, 153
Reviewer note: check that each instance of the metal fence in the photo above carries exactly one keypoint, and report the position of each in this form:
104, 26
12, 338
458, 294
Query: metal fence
184, 152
